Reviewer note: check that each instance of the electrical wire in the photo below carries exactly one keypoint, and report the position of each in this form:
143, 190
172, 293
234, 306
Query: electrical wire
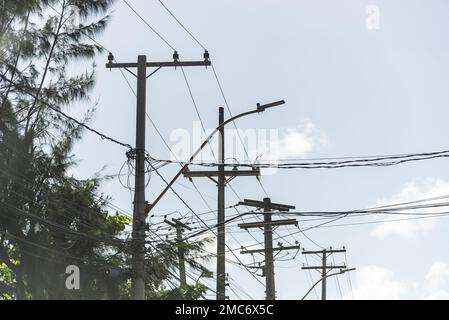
183, 201
148, 25
180, 23
55, 109
380, 161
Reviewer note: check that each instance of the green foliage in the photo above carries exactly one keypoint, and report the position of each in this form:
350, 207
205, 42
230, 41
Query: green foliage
119, 221
190, 292
7, 283
48, 218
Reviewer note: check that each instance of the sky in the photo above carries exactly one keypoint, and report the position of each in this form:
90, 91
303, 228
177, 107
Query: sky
352, 88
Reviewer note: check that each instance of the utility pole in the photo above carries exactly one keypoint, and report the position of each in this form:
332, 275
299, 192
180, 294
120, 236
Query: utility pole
179, 226
221, 234
222, 179
140, 205
324, 268
267, 226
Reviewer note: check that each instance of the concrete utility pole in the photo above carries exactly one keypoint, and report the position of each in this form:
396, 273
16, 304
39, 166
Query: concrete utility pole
221, 182
221, 234
324, 268
179, 226
267, 226
139, 213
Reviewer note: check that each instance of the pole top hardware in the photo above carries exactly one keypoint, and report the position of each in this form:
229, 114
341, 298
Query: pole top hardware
176, 56
206, 56
110, 57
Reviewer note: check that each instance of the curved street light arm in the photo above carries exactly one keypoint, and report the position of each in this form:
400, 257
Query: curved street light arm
260, 108
327, 276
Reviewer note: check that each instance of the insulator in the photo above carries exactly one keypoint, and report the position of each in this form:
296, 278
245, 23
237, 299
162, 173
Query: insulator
206, 55
110, 57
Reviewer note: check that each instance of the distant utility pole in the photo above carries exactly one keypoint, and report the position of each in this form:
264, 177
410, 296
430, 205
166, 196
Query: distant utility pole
139, 214
223, 177
267, 226
324, 268
179, 226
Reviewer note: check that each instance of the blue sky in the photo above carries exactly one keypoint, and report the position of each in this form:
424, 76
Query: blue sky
368, 92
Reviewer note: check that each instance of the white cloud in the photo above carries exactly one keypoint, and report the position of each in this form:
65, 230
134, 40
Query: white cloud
438, 275
412, 191
288, 142
299, 141
439, 295
378, 283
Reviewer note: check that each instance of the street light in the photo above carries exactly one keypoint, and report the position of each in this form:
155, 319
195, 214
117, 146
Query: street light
260, 108
327, 276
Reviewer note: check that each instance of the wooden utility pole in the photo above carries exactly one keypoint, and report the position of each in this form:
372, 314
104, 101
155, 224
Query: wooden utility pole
139, 213
324, 268
179, 226
267, 226
223, 177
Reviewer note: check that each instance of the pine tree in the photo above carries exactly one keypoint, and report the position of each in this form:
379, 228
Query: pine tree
49, 219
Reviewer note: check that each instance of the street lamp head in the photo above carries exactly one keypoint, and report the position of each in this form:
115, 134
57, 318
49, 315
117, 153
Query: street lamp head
262, 108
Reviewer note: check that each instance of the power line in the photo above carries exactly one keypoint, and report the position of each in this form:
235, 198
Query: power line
362, 162
336, 278
446, 214
55, 109
60, 227
167, 269
108, 203
325, 225
218, 82
52, 250
180, 23
193, 211
193, 100
349, 277
148, 25
238, 264
166, 144
196, 109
